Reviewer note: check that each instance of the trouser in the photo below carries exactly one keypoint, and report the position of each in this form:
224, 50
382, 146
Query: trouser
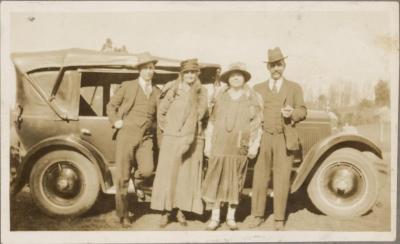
273, 155
130, 148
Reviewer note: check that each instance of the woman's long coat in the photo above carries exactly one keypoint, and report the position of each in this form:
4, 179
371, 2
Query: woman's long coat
179, 172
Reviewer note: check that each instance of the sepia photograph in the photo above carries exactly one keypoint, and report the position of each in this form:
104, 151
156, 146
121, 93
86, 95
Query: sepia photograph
199, 121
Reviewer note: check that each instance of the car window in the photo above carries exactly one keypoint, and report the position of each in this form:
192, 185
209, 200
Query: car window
96, 90
91, 101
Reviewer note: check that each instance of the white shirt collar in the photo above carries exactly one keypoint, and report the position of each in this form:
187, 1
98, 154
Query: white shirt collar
278, 83
143, 84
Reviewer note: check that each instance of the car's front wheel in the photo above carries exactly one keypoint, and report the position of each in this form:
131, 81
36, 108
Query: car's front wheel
345, 185
64, 183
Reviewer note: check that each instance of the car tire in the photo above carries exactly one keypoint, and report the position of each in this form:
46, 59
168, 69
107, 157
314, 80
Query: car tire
64, 183
345, 185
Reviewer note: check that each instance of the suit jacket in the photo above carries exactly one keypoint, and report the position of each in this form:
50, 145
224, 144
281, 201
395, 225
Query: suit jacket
124, 99
291, 94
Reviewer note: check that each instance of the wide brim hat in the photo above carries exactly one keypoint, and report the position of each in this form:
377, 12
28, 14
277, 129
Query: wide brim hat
190, 64
145, 58
236, 67
275, 55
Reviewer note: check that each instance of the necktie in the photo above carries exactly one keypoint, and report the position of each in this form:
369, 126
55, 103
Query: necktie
147, 90
274, 87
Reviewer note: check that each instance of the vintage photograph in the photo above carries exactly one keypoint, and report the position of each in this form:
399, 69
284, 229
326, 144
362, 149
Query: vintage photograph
199, 121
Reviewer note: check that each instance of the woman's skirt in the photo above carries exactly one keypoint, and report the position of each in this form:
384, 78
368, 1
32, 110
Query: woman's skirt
178, 179
224, 179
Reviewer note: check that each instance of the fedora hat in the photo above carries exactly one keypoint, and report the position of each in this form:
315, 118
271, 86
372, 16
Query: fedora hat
190, 64
236, 67
275, 55
145, 58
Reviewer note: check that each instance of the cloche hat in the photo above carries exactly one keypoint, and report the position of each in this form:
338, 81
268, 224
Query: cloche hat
236, 67
190, 64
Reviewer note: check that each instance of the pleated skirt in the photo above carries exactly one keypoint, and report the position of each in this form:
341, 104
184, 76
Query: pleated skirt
224, 179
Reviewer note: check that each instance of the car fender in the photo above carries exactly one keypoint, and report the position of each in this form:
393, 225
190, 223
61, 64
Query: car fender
53, 143
324, 148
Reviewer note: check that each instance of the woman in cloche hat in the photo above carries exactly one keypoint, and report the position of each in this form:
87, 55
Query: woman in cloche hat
177, 185
233, 135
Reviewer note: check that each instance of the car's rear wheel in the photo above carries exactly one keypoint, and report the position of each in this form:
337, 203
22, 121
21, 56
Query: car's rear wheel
345, 185
64, 183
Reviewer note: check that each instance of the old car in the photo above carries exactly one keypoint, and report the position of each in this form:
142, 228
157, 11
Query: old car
67, 148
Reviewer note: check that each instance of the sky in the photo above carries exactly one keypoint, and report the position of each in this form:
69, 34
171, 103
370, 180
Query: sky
324, 45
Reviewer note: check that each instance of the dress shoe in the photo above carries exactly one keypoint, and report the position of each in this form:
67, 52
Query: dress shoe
125, 221
140, 194
164, 220
180, 217
138, 190
212, 225
256, 221
231, 224
279, 225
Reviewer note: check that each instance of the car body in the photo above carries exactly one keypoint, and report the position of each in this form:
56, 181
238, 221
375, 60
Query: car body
67, 147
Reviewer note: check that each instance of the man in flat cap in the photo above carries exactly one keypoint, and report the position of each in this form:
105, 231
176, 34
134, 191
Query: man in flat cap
132, 111
283, 108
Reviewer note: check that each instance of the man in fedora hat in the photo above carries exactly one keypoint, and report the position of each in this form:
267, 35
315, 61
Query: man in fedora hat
132, 112
283, 108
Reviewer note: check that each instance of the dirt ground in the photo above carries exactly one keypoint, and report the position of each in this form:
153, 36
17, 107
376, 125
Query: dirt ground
302, 215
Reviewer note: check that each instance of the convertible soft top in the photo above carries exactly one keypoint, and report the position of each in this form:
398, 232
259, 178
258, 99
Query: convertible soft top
30, 61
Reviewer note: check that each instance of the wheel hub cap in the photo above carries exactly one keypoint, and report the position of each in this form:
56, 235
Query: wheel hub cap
66, 181
62, 183
343, 184
343, 181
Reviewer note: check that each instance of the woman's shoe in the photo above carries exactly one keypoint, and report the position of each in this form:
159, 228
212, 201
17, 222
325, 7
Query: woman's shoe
212, 225
231, 224
125, 221
181, 218
164, 220
279, 225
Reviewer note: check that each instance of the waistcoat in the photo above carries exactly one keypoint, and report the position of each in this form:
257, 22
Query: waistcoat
143, 110
272, 111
